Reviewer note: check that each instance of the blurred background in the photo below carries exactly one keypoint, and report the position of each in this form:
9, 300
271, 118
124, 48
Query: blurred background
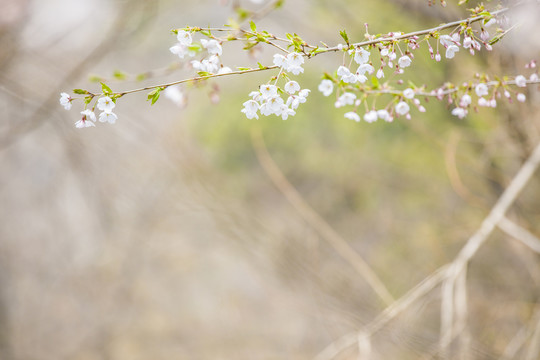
164, 236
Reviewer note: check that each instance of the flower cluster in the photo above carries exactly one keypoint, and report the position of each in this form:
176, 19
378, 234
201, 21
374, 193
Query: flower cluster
105, 103
359, 76
487, 99
211, 63
268, 100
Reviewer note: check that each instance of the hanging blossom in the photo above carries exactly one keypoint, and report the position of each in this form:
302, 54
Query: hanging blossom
267, 99
88, 119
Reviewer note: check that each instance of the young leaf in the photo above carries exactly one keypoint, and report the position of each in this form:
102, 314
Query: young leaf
154, 95
252, 26
344, 36
105, 88
80, 91
119, 75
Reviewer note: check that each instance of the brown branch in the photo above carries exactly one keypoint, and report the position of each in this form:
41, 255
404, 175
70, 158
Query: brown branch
340, 245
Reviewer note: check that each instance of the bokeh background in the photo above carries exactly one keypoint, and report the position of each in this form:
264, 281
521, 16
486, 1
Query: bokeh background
164, 237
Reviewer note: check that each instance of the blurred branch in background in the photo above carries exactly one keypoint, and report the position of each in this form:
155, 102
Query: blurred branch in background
164, 237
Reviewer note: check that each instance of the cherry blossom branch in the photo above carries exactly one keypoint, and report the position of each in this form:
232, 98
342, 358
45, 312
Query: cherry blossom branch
321, 51
193, 79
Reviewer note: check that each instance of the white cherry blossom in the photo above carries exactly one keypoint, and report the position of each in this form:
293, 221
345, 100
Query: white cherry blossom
65, 100
404, 61
268, 91
481, 89
326, 87
345, 99
459, 112
465, 101
384, 115
451, 51
174, 94
106, 104
408, 93
286, 112
361, 56
402, 108
371, 116
212, 46
109, 117
351, 115
521, 81
184, 37
521, 97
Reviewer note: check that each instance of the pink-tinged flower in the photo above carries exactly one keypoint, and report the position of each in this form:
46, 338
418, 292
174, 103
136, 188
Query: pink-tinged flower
404, 61
361, 56
65, 100
446, 40
351, 115
481, 89
467, 42
109, 117
465, 101
521, 97
402, 108
483, 102
408, 93
451, 51
521, 81
87, 120
534, 77
437, 56
459, 112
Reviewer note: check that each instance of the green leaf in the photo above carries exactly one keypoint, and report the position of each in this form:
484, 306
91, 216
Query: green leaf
154, 95
279, 4
344, 36
94, 78
105, 88
261, 66
88, 99
243, 14
117, 74
203, 73
252, 26
375, 82
80, 91
243, 68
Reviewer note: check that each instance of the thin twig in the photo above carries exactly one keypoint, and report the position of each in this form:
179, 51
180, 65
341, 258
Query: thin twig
451, 270
339, 244
519, 233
